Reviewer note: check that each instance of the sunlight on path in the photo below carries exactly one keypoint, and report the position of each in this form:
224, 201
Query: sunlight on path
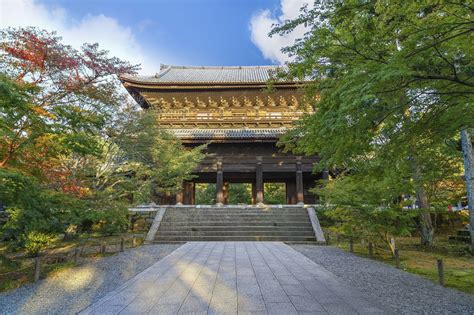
231, 278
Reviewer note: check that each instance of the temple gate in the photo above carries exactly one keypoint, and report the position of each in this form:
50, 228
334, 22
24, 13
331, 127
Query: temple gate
240, 117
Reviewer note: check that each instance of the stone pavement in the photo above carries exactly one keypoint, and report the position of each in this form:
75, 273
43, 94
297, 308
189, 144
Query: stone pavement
235, 277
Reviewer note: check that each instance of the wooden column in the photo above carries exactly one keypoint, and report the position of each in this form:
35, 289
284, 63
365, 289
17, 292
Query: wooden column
219, 184
225, 193
254, 193
291, 192
179, 197
189, 191
299, 182
259, 181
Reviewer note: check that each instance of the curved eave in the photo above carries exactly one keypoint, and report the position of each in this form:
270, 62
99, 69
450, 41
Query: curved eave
127, 82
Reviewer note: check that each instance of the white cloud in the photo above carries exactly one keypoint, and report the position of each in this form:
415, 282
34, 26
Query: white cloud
108, 32
262, 23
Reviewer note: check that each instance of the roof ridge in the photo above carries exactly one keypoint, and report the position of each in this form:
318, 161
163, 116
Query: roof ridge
163, 70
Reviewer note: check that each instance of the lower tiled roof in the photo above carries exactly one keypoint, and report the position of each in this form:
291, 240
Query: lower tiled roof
267, 133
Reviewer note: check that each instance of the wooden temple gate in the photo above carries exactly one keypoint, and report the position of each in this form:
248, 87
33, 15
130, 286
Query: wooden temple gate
231, 109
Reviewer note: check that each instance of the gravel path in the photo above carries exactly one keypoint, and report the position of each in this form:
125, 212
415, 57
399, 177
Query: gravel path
70, 291
404, 292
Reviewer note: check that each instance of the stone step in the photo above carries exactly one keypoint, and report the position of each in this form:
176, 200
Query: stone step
238, 211
236, 215
196, 228
281, 233
235, 238
288, 224
271, 208
236, 223
236, 219
227, 214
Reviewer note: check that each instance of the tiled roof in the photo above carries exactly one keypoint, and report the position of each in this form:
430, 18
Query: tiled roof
185, 74
268, 133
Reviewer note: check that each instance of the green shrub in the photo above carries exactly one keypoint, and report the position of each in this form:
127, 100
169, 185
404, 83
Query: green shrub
37, 241
31, 207
36, 213
103, 218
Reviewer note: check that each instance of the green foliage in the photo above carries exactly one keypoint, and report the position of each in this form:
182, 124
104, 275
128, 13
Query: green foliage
73, 154
32, 208
105, 219
37, 241
157, 159
362, 207
275, 193
394, 85
240, 193
205, 194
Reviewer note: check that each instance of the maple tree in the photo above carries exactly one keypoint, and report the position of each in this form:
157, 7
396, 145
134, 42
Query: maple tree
74, 154
72, 92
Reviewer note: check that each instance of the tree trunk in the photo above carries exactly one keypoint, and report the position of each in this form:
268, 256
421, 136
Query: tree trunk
427, 229
466, 143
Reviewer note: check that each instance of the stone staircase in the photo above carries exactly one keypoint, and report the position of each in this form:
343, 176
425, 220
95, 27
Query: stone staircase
235, 223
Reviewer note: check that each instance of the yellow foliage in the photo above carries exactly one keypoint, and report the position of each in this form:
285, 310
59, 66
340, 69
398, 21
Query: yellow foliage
42, 112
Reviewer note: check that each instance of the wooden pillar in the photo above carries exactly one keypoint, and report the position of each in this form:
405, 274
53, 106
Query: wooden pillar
219, 184
225, 193
299, 182
189, 191
291, 192
259, 181
179, 197
254, 193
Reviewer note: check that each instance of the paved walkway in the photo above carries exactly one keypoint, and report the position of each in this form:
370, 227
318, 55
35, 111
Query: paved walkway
231, 278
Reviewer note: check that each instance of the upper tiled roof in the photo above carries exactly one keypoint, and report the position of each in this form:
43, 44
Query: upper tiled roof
191, 74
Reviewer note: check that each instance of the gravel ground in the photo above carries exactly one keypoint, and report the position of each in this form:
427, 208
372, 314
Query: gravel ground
403, 292
70, 291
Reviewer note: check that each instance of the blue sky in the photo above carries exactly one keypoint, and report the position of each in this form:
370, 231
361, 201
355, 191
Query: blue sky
183, 32
209, 32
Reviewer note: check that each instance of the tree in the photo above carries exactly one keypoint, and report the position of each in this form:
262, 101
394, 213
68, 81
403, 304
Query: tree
161, 159
371, 200
72, 93
392, 79
73, 157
